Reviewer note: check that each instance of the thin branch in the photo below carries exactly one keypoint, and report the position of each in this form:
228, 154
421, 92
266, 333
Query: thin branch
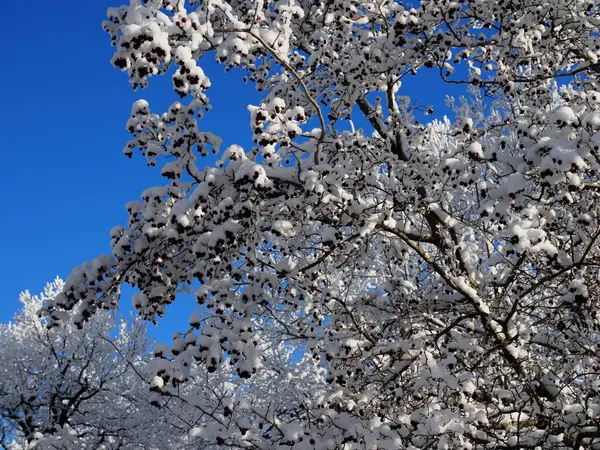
309, 97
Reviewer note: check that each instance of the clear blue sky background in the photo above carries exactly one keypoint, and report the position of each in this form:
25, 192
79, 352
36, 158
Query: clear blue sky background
62, 121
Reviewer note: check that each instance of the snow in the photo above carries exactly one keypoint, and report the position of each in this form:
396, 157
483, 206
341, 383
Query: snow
471, 292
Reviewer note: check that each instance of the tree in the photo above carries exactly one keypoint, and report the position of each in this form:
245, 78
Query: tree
63, 388
219, 404
443, 275
66, 388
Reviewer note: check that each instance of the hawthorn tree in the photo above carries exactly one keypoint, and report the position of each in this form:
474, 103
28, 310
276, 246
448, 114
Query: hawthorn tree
442, 276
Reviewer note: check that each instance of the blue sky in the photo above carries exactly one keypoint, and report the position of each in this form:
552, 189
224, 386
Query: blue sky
65, 179
64, 108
